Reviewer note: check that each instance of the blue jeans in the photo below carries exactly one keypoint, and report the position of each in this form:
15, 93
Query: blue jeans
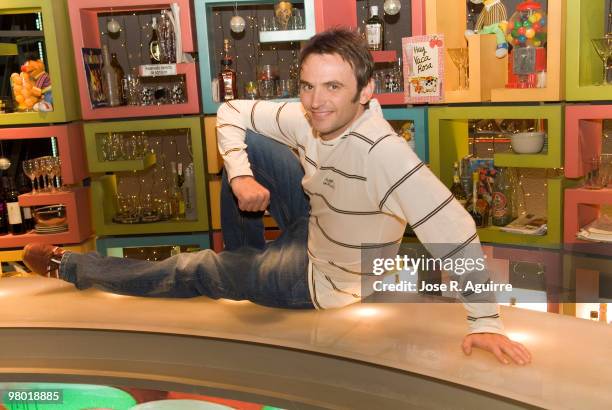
271, 274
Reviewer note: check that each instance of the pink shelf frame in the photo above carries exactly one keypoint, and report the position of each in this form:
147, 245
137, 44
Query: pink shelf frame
84, 20
79, 223
582, 207
387, 56
70, 144
391, 98
583, 129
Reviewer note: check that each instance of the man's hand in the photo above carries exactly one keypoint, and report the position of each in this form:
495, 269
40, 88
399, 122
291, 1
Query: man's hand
252, 196
499, 345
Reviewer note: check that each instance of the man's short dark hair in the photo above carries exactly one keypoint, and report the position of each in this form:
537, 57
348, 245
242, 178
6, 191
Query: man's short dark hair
349, 45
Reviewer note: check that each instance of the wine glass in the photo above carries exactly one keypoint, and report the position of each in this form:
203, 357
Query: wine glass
39, 166
30, 171
460, 57
50, 170
603, 46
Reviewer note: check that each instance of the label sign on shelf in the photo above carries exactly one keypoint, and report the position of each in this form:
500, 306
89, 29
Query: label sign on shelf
423, 68
156, 70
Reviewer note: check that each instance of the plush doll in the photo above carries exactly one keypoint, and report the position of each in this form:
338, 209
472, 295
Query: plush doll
492, 20
32, 87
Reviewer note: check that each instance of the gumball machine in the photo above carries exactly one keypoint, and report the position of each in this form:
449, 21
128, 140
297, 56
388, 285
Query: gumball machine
526, 32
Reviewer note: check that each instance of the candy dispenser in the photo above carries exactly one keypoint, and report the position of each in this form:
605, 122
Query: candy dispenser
527, 33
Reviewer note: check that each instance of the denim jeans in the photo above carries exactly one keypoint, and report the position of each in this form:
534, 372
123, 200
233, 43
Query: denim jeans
271, 274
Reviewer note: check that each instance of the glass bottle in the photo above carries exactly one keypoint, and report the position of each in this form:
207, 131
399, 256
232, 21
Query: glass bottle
23, 187
477, 206
457, 189
176, 194
110, 80
167, 45
188, 188
502, 199
15, 217
3, 214
120, 75
154, 52
375, 30
228, 89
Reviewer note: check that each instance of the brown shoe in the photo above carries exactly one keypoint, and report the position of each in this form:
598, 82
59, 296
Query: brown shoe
43, 259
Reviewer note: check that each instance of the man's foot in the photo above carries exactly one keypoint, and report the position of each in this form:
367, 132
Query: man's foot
43, 259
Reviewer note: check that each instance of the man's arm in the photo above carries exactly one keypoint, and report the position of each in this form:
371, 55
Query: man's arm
405, 187
280, 121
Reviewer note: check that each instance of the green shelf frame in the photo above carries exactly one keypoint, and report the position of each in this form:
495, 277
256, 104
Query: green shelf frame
127, 165
59, 63
584, 67
448, 132
104, 187
114, 245
448, 142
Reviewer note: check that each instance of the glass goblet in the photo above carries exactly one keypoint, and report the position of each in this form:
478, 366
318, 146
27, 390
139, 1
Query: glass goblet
29, 169
460, 57
603, 46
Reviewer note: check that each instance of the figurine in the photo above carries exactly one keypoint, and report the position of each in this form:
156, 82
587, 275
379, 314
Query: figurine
492, 20
32, 87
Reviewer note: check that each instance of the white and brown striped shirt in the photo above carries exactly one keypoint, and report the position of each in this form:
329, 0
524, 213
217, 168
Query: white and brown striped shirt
364, 187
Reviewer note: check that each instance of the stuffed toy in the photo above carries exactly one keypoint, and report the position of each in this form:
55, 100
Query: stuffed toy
492, 20
32, 87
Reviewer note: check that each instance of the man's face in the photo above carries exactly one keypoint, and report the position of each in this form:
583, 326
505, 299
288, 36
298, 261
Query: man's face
328, 90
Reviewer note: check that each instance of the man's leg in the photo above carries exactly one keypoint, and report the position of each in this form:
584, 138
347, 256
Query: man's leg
276, 168
276, 276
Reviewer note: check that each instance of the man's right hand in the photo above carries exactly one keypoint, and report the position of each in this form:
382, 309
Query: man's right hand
252, 196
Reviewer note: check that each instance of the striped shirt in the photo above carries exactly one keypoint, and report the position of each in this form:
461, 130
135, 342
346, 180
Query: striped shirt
364, 187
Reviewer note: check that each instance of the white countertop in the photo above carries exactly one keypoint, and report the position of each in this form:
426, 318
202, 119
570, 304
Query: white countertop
572, 358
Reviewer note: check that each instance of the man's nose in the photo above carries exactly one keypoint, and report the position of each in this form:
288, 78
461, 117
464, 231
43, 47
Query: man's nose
318, 97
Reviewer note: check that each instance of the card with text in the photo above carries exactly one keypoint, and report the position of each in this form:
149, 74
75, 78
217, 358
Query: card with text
423, 68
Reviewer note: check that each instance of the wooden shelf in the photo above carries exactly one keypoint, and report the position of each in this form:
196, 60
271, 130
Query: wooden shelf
59, 63
583, 135
391, 98
587, 67
285, 36
124, 165
582, 206
387, 56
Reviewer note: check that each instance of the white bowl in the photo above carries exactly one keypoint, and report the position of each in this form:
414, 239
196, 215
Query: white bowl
528, 142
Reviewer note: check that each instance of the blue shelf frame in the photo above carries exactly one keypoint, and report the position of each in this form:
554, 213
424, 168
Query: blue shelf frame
205, 31
418, 115
108, 245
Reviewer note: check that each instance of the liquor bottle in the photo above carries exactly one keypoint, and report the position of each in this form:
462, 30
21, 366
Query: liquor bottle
178, 202
502, 199
477, 206
228, 89
23, 187
3, 213
15, 218
457, 189
167, 41
120, 75
375, 30
188, 188
154, 51
110, 79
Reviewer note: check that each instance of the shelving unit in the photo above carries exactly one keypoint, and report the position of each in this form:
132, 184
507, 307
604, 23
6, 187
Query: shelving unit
104, 187
555, 74
85, 34
448, 142
583, 135
582, 18
582, 206
59, 64
418, 115
114, 245
486, 72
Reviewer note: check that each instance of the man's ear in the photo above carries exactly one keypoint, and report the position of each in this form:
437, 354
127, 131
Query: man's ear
367, 92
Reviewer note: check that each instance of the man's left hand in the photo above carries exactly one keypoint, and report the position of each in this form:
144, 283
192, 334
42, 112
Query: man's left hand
501, 346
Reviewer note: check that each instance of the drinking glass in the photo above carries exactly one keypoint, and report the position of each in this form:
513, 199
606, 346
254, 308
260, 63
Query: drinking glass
267, 75
594, 176
40, 171
603, 46
50, 171
29, 169
460, 57
296, 22
283, 89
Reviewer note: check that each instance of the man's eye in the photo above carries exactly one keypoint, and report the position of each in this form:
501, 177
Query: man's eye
334, 87
306, 87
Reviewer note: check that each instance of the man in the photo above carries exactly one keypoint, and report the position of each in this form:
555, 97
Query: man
363, 184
